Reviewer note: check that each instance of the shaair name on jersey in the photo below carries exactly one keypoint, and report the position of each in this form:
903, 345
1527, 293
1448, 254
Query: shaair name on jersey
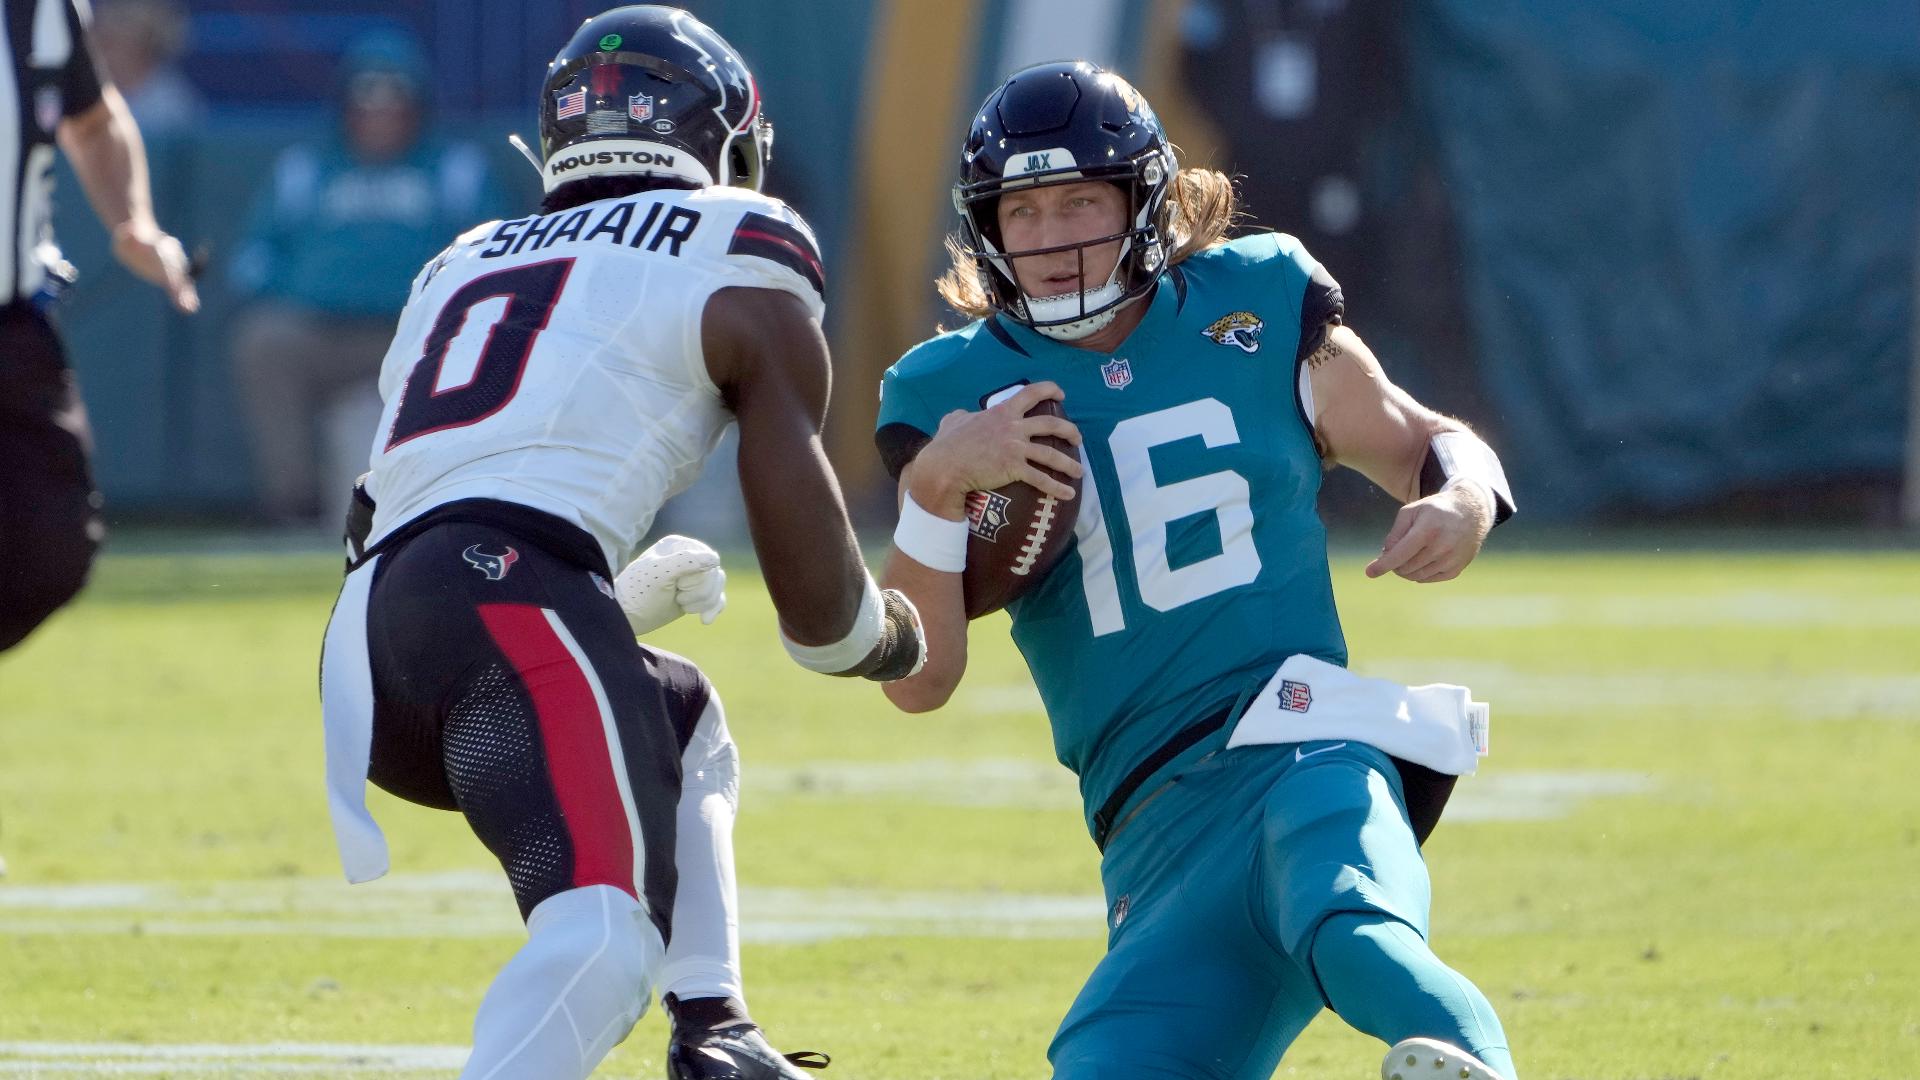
662, 224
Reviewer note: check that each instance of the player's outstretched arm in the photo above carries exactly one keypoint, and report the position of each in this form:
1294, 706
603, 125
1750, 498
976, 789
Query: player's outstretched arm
1448, 480
943, 612
971, 451
767, 355
104, 145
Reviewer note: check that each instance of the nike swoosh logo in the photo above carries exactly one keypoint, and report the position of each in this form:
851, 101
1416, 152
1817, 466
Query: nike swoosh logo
1302, 755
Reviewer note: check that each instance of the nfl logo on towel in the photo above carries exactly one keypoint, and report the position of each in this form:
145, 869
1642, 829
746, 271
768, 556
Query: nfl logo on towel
1117, 372
1295, 696
640, 107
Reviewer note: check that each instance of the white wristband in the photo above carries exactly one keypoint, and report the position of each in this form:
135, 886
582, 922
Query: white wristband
1486, 489
1464, 456
861, 637
929, 539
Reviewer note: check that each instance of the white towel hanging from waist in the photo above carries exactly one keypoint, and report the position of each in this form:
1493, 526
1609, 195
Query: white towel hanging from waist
1439, 726
346, 711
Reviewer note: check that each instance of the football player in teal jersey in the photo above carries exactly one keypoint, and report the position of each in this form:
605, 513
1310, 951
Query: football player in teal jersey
1209, 383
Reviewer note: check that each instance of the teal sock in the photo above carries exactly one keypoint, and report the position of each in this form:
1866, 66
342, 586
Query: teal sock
1383, 979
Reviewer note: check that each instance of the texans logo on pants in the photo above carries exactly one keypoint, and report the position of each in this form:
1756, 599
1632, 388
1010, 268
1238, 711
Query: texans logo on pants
494, 566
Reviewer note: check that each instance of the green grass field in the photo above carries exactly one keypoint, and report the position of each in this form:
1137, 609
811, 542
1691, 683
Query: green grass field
1695, 851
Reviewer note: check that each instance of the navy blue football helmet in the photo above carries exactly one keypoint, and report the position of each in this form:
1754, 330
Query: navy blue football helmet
1063, 123
651, 90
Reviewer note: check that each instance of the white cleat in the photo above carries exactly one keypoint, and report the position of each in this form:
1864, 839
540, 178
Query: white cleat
1431, 1059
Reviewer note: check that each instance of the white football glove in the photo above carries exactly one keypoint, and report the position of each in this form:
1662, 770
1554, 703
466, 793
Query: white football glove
677, 576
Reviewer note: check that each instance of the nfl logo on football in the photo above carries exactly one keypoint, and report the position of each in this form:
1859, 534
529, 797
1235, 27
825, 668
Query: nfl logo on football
987, 514
1117, 372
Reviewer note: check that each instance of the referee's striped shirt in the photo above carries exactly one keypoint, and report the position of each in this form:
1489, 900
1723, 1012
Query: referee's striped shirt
47, 73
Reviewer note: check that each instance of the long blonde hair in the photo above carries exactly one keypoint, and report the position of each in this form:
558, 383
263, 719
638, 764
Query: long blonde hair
1201, 209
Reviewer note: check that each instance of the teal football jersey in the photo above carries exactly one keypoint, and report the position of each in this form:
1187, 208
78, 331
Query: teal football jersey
1199, 560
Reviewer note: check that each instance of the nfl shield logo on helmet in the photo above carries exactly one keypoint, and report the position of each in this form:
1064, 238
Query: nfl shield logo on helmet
1295, 696
1117, 372
640, 107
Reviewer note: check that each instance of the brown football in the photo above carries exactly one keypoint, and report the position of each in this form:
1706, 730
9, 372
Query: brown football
1016, 534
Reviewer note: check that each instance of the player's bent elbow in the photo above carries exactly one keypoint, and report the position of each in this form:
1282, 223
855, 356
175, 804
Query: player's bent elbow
923, 693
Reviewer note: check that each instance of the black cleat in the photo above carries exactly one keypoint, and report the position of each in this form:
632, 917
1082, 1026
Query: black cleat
713, 1040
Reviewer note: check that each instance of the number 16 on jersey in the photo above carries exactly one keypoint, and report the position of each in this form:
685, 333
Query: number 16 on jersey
1147, 508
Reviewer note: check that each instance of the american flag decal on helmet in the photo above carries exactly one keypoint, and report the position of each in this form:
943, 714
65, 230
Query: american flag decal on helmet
771, 238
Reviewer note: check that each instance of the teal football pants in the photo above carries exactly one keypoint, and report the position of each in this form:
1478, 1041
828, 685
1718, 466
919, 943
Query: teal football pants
1263, 884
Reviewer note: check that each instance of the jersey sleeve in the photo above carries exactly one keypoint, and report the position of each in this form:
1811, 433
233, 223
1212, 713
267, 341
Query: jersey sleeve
907, 419
1321, 304
439, 262
80, 76
775, 247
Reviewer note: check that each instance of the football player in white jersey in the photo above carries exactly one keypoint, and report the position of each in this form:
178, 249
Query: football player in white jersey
553, 380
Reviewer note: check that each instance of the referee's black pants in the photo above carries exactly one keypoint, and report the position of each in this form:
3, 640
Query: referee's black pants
50, 523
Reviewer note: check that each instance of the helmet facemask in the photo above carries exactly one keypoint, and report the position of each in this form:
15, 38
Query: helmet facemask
744, 161
1145, 180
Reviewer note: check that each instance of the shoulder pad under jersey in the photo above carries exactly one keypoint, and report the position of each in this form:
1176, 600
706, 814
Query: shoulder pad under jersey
769, 236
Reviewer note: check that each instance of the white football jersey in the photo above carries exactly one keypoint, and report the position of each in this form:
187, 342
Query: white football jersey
554, 361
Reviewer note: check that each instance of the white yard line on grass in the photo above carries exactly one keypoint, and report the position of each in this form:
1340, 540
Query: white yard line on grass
476, 903
224, 1059
1799, 695
1820, 695
1027, 783
1769, 608
1494, 795
468, 904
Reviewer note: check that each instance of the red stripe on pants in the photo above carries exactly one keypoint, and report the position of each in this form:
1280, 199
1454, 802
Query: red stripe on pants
579, 761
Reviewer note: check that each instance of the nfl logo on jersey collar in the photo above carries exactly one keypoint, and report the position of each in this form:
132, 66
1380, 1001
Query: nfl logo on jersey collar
1117, 373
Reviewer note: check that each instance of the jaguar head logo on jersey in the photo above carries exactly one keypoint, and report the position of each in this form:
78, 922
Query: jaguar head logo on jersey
490, 564
1238, 328
986, 514
1117, 373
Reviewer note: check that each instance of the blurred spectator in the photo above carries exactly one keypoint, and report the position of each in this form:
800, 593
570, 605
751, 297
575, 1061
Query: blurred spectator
331, 251
139, 42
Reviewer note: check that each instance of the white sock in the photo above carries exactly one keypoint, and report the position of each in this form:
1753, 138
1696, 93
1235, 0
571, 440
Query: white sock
704, 957
571, 993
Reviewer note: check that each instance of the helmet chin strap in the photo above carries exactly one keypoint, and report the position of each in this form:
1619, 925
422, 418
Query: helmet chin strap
1100, 300
1044, 310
